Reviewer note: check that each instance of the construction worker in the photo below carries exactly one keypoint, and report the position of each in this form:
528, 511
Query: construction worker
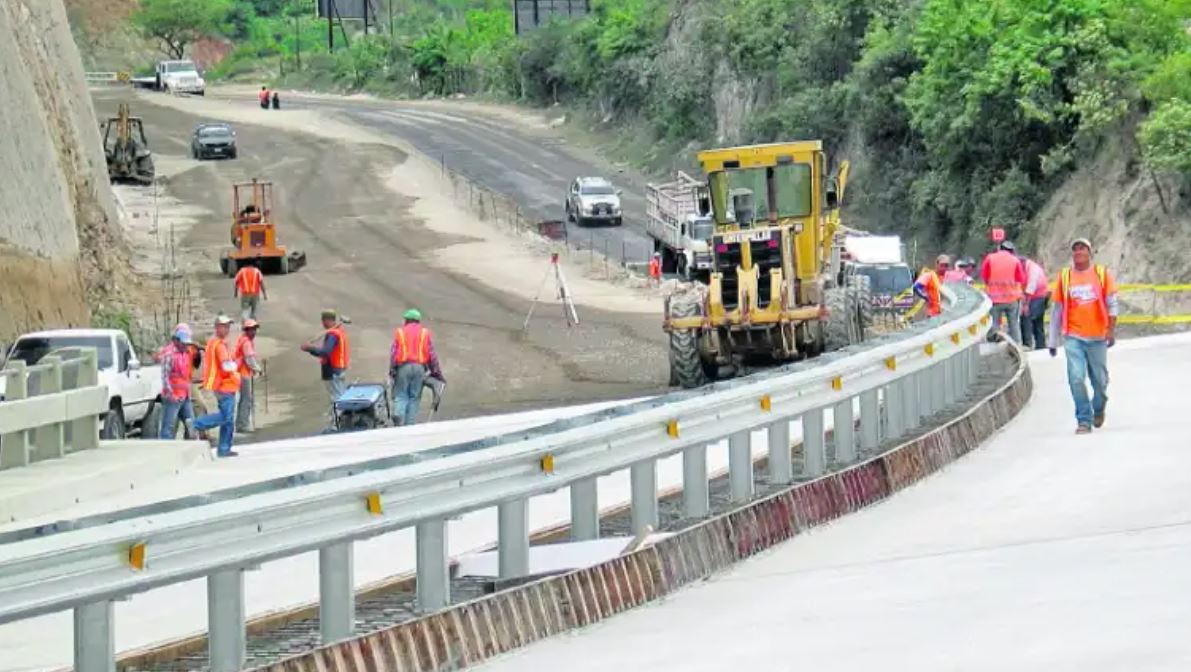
222, 377
177, 359
929, 284
1004, 277
1083, 319
334, 354
411, 356
276, 101
264, 97
249, 368
959, 274
655, 268
1037, 296
249, 285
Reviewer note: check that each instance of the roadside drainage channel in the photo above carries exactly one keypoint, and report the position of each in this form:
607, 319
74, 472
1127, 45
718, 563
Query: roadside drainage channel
276, 637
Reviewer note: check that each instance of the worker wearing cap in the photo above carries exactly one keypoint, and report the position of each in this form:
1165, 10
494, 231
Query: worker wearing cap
1004, 277
334, 354
411, 356
655, 268
249, 367
1083, 319
249, 285
929, 285
178, 359
221, 376
959, 274
1037, 296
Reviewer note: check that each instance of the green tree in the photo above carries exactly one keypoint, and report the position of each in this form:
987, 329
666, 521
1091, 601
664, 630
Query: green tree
1166, 137
175, 24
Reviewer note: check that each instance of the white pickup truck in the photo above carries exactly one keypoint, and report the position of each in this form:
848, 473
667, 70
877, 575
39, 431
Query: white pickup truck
174, 77
134, 389
680, 226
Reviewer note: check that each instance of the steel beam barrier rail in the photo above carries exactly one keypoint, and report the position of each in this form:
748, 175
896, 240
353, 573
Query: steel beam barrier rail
87, 569
50, 409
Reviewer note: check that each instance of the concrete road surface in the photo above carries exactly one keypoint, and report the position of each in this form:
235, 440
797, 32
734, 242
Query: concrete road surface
1040, 551
368, 258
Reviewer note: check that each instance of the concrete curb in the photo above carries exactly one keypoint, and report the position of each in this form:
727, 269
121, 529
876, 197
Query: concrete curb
471, 632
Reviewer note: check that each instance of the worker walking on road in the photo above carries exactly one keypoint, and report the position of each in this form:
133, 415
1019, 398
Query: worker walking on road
334, 354
655, 269
930, 283
1004, 276
250, 287
177, 359
222, 377
249, 368
264, 97
1084, 319
411, 356
1037, 296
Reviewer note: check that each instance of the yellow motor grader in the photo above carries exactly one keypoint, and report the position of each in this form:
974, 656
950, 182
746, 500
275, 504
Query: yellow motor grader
126, 149
772, 295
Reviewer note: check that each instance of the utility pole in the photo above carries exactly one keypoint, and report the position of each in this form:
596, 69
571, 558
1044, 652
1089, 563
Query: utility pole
330, 25
298, 38
366, 3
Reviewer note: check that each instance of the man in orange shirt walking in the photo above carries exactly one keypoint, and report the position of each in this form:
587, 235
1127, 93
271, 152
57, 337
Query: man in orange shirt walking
221, 375
930, 283
1084, 319
250, 287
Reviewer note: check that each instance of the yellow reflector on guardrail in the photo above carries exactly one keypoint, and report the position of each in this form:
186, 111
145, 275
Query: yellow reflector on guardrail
837, 383
374, 504
672, 429
548, 464
766, 403
136, 556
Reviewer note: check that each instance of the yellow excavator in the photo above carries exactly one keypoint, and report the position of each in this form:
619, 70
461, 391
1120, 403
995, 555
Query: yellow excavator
126, 149
772, 295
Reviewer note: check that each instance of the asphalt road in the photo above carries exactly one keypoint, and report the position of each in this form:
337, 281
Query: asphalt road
366, 258
533, 167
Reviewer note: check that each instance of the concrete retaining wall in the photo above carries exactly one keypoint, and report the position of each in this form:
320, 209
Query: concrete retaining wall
469, 633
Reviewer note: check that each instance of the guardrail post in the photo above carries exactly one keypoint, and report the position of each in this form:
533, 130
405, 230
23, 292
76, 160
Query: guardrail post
814, 456
585, 510
954, 377
49, 439
910, 401
939, 385
895, 414
696, 496
740, 466
781, 466
84, 432
926, 395
434, 588
336, 592
14, 446
844, 431
226, 637
513, 538
870, 421
644, 485
94, 638
973, 364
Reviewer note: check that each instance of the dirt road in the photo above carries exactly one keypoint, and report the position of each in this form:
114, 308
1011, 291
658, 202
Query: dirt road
371, 257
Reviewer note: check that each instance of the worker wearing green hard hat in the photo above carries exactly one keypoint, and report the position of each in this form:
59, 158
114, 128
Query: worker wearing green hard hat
411, 358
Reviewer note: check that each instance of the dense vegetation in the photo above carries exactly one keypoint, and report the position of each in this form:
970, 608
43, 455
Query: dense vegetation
961, 113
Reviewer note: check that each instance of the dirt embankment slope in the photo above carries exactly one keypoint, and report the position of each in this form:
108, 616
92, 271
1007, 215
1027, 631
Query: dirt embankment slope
59, 236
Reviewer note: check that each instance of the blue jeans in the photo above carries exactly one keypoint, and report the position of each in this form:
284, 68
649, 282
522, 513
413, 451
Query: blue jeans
225, 420
407, 393
1087, 359
171, 412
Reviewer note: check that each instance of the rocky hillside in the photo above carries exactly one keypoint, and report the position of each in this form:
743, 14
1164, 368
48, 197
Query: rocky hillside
59, 236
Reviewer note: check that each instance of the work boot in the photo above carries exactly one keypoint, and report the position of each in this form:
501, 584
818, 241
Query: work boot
1098, 419
1083, 429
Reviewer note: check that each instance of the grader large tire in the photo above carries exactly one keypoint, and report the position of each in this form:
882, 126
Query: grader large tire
864, 292
686, 367
838, 331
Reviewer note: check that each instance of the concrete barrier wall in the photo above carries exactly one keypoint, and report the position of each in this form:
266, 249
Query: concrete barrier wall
471, 632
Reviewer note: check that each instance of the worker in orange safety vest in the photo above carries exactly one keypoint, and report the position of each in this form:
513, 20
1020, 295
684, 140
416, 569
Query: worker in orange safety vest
1004, 277
177, 359
655, 268
249, 368
221, 376
929, 285
249, 285
411, 358
1083, 320
334, 355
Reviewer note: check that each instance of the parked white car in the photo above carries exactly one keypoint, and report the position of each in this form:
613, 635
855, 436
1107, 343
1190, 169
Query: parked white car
134, 389
593, 200
180, 77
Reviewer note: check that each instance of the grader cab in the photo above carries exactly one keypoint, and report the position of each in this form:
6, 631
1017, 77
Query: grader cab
771, 296
254, 234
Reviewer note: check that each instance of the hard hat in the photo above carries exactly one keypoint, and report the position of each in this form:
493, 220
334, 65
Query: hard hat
1082, 241
329, 314
182, 333
943, 259
657, 254
1008, 245
250, 324
413, 314
963, 263
223, 319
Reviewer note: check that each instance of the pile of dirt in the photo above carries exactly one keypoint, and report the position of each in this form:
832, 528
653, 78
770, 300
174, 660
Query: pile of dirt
59, 237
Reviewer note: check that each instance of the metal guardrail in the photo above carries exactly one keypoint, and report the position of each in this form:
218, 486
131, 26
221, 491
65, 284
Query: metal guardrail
899, 380
50, 409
